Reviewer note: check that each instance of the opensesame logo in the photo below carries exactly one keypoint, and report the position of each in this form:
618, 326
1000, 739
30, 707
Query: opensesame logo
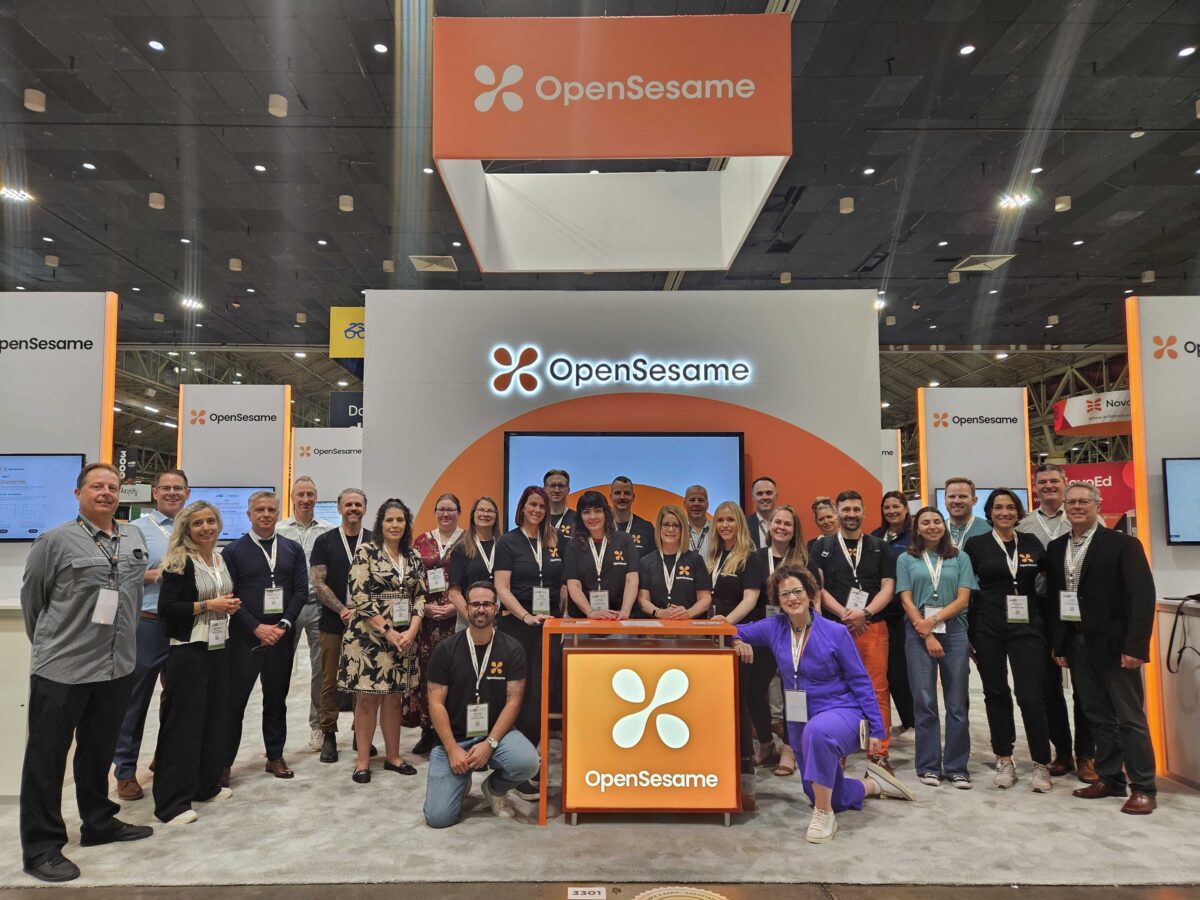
305, 451
486, 75
941, 420
629, 730
1166, 347
512, 369
198, 417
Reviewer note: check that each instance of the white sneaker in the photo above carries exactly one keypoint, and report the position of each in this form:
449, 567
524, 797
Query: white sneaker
930, 779
500, 804
1006, 774
822, 828
889, 785
1040, 783
316, 740
187, 817
222, 794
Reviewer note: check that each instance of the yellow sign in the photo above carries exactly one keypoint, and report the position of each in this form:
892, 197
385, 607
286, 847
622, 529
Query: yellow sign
347, 331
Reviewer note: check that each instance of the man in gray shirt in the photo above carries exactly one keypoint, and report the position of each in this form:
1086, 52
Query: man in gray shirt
81, 594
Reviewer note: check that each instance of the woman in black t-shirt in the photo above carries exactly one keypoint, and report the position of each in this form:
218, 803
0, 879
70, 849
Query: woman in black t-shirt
672, 584
600, 564
474, 557
1006, 627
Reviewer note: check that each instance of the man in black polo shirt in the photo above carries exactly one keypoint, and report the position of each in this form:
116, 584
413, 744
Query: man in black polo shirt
476, 681
621, 494
857, 574
329, 569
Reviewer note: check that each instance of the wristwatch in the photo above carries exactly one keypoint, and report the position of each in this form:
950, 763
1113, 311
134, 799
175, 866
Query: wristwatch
284, 624
869, 615
491, 743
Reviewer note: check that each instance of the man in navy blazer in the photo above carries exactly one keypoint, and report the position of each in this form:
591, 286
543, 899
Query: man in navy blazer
1101, 602
270, 577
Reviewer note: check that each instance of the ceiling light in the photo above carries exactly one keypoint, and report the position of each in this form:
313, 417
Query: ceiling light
935, 384
943, 243
20, 287
156, 45
299, 354
156, 200
185, 240
932, 327
1077, 243
381, 48
149, 408
966, 49
238, 374
1186, 51
249, 290
1015, 201
916, 304
322, 243
456, 243
993, 291
880, 304
259, 167
137, 431
197, 369
35, 100
1051, 320
427, 170
1137, 134
91, 167
48, 240
1001, 356
237, 382
198, 324
191, 353
190, 303
1129, 290
297, 325
343, 384
868, 171
277, 105
116, 409
8, 193
172, 353
316, 418
846, 205
138, 289
170, 425
1036, 170
884, 405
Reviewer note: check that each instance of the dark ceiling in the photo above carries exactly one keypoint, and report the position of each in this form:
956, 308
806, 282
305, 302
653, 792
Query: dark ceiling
877, 84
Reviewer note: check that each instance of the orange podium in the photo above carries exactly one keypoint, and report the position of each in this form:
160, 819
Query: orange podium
650, 717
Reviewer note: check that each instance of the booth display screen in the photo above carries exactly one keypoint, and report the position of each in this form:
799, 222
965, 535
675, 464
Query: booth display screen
982, 494
231, 502
327, 511
1181, 498
661, 466
37, 492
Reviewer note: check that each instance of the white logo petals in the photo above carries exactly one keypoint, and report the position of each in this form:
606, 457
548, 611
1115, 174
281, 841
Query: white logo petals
511, 99
672, 730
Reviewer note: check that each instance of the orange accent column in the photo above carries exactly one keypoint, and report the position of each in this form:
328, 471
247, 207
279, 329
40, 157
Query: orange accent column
1141, 489
921, 446
179, 432
285, 490
108, 389
1028, 449
544, 777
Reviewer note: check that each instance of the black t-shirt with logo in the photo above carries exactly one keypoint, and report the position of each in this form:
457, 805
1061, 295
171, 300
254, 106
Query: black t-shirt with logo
727, 589
514, 554
565, 524
875, 563
466, 570
620, 558
642, 533
328, 551
690, 576
995, 578
451, 666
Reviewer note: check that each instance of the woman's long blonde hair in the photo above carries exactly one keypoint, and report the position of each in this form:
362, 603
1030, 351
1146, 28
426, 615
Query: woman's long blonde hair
797, 552
742, 547
180, 545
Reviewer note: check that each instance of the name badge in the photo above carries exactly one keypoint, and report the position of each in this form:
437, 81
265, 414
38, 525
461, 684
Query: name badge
1068, 606
773, 610
218, 631
401, 607
1018, 608
437, 579
864, 734
599, 600
858, 599
795, 702
106, 607
273, 600
541, 601
940, 627
477, 720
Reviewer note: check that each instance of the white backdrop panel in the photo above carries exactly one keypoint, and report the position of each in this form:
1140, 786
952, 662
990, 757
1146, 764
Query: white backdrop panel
978, 433
331, 457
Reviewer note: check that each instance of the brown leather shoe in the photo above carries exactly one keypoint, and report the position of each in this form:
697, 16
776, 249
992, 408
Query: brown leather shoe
279, 768
882, 762
129, 789
1085, 770
1098, 790
1139, 804
1063, 763
223, 781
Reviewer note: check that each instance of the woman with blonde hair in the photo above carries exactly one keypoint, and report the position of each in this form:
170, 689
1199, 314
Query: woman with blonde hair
195, 603
673, 582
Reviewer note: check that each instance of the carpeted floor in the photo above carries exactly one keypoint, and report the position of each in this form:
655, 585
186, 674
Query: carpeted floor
322, 828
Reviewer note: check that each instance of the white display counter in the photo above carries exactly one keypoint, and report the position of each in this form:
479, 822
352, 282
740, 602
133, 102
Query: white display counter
14, 698
1180, 690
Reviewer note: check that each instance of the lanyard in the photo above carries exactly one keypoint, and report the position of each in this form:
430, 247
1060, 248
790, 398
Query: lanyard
935, 574
1074, 558
1041, 518
399, 564
798, 650
214, 572
963, 534
114, 558
158, 525
558, 524
480, 668
598, 557
771, 560
1014, 560
697, 544
627, 528
715, 571
669, 577
270, 558
346, 545
537, 554
437, 537
490, 561
852, 562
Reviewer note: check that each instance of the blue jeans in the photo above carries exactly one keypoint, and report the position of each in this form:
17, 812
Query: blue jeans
923, 672
513, 761
152, 649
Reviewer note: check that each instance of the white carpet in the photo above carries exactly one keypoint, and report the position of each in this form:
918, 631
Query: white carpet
322, 828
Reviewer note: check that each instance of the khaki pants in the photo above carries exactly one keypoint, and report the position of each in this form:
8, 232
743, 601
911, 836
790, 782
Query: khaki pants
331, 655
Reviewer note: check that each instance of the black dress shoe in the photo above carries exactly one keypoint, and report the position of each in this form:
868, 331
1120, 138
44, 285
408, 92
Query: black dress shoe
120, 831
362, 776
329, 750
404, 768
54, 868
425, 743
354, 747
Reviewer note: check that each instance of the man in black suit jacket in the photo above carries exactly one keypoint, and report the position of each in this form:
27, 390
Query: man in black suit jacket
1101, 611
263, 563
764, 492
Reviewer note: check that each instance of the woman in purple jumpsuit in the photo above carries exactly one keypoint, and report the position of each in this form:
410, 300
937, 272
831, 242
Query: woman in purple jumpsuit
827, 693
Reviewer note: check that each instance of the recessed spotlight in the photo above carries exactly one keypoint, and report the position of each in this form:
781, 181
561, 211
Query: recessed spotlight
116, 409
966, 49
172, 353
943, 243
185, 240
1036, 170
197, 369
299, 354
136, 289
91, 167
1197, 172
932, 327
1077, 243
868, 171
156, 45
993, 291
456, 243
259, 167
1001, 356
237, 374
322, 243
1049, 326
297, 325
316, 418
1137, 134
249, 290
427, 170
137, 431
1186, 51
381, 48
199, 324
20, 287
149, 408
48, 240
935, 384
1129, 290
884, 405
343, 384
191, 353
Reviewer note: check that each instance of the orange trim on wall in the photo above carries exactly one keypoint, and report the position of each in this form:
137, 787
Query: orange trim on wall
179, 432
921, 446
108, 388
285, 491
899, 464
1028, 448
1141, 492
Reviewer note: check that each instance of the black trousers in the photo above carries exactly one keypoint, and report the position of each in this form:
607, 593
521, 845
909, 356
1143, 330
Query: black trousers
745, 720
897, 671
529, 719
998, 644
90, 714
191, 742
1114, 702
762, 670
274, 666
1056, 716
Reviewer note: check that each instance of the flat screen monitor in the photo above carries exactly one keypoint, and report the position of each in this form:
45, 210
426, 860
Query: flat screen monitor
982, 495
661, 465
37, 492
232, 503
327, 511
1181, 497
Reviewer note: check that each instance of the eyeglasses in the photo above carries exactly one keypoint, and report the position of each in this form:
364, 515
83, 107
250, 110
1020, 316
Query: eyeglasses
481, 604
793, 594
673, 526
557, 486
171, 489
445, 511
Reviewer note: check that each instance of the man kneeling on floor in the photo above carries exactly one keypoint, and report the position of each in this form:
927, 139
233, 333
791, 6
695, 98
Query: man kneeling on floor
476, 681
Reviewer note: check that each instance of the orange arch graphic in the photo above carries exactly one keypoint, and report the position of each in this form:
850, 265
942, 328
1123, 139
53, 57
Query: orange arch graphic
802, 464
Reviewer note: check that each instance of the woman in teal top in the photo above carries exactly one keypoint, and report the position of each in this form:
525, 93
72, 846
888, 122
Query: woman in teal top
935, 582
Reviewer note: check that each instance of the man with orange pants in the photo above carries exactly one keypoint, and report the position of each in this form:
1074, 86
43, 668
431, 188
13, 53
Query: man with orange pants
857, 574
